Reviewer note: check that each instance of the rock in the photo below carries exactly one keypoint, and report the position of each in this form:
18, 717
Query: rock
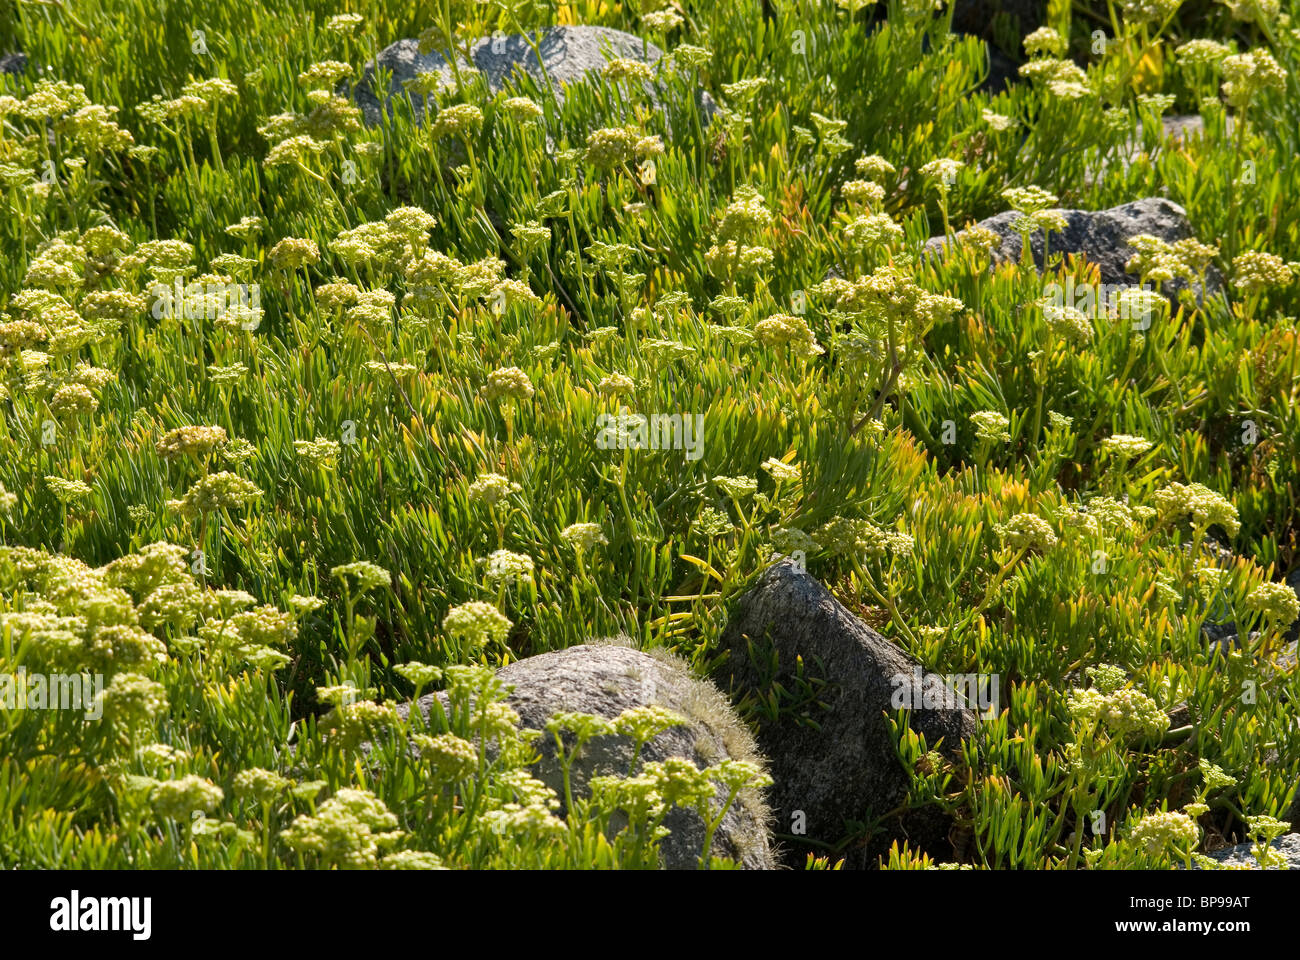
569, 54
607, 678
1181, 128
1175, 133
1224, 639
1185, 127
1101, 236
1240, 856
14, 63
1226, 636
832, 757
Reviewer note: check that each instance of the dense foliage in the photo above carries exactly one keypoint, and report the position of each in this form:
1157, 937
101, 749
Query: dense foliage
411, 454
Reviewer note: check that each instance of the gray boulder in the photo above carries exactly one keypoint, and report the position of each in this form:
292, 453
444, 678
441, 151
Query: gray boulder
828, 740
607, 678
569, 55
1101, 236
1241, 858
14, 63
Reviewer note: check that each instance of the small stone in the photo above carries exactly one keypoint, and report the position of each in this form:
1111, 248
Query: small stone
14, 63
